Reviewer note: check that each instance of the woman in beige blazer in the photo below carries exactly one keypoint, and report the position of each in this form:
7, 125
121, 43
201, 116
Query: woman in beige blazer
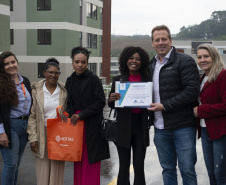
47, 95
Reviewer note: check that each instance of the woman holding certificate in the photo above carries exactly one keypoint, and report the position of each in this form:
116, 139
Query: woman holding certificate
133, 122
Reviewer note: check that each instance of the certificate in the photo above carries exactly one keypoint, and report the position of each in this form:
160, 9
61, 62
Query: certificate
135, 94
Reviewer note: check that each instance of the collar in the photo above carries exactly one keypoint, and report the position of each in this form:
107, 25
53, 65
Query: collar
166, 58
20, 79
57, 90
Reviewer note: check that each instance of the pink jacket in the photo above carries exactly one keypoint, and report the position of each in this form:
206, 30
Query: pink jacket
213, 108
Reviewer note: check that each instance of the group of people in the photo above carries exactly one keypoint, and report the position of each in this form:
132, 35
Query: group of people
25, 108
182, 104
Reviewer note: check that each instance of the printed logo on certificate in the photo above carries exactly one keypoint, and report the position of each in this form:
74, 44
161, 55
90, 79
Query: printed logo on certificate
134, 94
122, 87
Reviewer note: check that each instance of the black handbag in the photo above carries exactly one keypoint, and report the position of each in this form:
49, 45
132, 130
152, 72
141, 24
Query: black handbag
109, 128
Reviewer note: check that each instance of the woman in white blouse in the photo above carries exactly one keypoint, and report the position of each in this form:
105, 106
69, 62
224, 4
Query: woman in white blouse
47, 95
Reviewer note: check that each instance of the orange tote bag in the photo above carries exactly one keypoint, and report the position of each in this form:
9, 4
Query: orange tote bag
64, 140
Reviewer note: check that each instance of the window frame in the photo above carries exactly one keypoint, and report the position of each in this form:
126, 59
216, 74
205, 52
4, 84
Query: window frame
91, 40
40, 70
45, 5
11, 5
44, 41
11, 36
91, 11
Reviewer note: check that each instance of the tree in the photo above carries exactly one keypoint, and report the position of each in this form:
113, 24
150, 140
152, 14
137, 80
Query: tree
209, 29
218, 15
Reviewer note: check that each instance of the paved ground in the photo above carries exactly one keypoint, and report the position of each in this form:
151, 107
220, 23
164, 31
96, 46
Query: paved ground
109, 167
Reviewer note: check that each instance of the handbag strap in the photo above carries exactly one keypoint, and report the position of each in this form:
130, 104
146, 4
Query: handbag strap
110, 114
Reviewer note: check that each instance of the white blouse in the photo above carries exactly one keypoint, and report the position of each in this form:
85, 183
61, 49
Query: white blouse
51, 102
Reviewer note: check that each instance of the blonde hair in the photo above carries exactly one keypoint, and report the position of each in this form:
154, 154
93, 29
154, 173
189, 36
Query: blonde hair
218, 63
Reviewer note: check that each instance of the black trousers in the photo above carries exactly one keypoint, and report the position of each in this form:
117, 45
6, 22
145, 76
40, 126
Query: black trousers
139, 152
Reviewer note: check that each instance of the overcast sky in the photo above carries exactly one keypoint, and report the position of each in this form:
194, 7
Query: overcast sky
130, 17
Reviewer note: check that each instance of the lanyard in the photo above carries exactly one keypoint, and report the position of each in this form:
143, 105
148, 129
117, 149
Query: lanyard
25, 103
24, 90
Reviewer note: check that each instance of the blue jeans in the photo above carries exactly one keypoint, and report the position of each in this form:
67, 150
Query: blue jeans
12, 156
215, 157
176, 145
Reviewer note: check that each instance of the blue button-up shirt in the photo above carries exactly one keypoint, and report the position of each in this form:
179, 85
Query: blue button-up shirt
23, 108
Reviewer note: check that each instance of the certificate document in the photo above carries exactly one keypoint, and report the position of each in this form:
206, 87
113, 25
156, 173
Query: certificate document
134, 94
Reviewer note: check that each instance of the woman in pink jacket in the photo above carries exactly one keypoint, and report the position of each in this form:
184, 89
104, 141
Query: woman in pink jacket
212, 112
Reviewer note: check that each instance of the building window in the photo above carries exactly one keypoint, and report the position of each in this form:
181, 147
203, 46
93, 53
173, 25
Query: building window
222, 51
114, 63
44, 4
94, 12
91, 40
80, 38
40, 70
194, 45
91, 11
11, 36
44, 36
92, 67
88, 10
114, 72
11, 5
181, 50
80, 12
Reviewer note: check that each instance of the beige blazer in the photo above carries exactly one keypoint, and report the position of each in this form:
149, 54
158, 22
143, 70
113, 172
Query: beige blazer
36, 125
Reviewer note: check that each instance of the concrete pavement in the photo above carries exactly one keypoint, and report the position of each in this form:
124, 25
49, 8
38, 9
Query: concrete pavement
109, 168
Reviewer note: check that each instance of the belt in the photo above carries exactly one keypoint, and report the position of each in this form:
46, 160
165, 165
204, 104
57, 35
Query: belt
23, 117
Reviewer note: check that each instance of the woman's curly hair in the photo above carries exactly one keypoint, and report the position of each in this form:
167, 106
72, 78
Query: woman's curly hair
8, 91
127, 53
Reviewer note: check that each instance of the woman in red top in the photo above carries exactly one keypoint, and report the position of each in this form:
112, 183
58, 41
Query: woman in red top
133, 122
212, 112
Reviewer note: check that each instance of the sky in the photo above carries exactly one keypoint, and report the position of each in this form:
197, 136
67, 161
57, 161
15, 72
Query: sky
131, 17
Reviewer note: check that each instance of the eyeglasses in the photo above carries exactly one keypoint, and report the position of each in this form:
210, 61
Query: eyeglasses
53, 73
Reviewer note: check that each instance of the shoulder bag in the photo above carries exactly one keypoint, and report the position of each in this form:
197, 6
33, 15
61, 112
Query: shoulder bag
109, 128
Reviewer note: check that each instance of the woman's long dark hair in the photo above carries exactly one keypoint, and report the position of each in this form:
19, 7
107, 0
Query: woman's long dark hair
8, 92
127, 53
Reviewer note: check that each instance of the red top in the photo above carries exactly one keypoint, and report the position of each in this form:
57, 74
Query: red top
135, 78
213, 108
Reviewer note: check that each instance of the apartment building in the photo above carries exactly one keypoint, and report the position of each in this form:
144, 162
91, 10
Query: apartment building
4, 25
40, 29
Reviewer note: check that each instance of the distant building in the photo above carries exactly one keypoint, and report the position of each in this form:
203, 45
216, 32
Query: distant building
43, 28
183, 46
114, 66
189, 47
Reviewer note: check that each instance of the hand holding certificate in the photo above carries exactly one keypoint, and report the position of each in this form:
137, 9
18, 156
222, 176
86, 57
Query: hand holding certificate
134, 94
